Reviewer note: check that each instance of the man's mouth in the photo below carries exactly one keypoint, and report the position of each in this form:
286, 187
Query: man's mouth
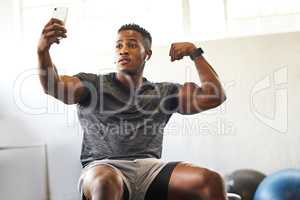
124, 60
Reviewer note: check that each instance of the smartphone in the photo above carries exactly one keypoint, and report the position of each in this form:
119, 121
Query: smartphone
60, 13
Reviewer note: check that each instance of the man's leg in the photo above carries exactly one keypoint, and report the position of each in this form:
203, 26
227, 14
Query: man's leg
103, 182
190, 182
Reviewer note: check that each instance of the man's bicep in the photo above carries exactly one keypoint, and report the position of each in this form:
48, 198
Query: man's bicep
192, 99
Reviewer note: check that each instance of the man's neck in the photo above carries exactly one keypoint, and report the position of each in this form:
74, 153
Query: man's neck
134, 80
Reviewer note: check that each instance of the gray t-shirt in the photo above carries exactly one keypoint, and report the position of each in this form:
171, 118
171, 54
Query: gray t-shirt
122, 123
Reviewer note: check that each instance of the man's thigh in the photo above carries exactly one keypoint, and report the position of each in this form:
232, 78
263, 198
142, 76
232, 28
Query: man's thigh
191, 182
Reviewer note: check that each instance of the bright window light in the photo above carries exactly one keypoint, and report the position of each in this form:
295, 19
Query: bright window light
207, 18
162, 18
238, 9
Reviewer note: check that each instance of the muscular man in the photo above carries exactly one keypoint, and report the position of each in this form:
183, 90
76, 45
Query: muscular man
123, 115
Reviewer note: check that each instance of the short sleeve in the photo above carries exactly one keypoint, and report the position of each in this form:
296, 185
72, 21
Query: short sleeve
90, 82
170, 97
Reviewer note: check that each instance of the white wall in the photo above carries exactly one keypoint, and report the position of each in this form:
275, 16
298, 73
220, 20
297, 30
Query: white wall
23, 173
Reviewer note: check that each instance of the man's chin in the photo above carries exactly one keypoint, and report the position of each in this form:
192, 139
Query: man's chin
128, 71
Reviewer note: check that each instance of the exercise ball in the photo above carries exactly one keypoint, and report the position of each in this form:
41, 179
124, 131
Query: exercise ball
244, 182
232, 196
282, 185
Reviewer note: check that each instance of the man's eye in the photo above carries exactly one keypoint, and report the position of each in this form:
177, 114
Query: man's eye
132, 45
118, 46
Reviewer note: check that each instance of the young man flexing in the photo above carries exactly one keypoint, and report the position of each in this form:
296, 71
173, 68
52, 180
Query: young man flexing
123, 114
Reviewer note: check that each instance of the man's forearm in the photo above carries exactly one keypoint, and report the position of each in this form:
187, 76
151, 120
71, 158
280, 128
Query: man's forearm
211, 84
47, 73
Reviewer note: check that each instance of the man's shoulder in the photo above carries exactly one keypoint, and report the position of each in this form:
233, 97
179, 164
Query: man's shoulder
167, 84
86, 76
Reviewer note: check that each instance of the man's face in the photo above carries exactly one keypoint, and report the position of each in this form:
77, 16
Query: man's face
130, 53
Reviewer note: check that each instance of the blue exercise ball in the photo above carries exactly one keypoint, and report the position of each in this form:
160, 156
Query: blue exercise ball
282, 185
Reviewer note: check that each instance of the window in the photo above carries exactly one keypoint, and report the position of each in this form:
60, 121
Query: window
163, 19
207, 18
238, 9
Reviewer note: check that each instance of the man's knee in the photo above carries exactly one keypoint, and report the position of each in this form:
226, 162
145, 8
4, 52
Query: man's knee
213, 185
215, 179
102, 181
212, 178
206, 185
107, 182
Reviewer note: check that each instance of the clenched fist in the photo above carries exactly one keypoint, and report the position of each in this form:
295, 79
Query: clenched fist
52, 32
181, 49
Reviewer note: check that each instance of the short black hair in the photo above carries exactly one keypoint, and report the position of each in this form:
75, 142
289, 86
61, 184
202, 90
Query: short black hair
135, 27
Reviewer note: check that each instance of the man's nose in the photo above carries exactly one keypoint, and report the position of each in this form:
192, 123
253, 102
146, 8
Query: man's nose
123, 51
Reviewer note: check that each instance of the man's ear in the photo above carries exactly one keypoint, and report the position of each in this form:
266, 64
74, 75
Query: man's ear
148, 54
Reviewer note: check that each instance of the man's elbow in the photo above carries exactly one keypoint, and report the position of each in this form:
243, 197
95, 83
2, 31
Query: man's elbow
221, 100
47, 92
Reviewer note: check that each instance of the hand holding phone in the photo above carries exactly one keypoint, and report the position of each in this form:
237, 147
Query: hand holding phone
61, 14
54, 30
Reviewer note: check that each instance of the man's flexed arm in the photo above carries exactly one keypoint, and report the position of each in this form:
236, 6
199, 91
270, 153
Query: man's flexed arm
65, 88
193, 98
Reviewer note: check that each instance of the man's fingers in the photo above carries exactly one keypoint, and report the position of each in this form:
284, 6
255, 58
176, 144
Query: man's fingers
173, 53
55, 33
180, 50
49, 23
57, 41
54, 20
49, 34
179, 57
170, 50
177, 54
53, 40
56, 27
